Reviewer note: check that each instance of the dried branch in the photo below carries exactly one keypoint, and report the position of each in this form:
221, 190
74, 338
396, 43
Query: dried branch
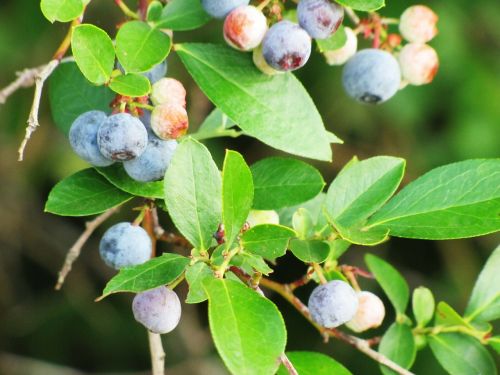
288, 365
75, 250
157, 354
25, 78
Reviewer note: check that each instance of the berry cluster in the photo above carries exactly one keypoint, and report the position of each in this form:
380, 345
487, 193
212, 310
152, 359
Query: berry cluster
144, 141
372, 75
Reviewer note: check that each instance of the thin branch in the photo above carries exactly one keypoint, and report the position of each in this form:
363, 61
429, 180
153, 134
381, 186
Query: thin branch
360, 344
288, 365
25, 78
352, 16
75, 250
157, 353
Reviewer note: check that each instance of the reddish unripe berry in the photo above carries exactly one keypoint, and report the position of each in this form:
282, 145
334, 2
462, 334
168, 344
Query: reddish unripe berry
341, 55
168, 91
419, 63
370, 313
418, 24
245, 27
169, 121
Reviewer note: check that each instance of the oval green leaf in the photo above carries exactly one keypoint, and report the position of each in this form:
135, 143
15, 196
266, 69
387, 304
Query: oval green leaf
117, 176
193, 193
71, 94
311, 363
398, 345
391, 281
363, 5
195, 275
281, 182
484, 302
248, 329
94, 53
130, 84
237, 195
423, 305
277, 110
139, 47
181, 15
61, 10
155, 272
267, 240
454, 201
461, 355
311, 251
84, 193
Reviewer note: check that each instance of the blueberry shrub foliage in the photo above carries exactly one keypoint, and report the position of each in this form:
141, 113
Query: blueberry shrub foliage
123, 114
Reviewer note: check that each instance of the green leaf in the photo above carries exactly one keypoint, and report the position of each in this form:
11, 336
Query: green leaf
281, 182
93, 52
303, 223
248, 330
447, 316
398, 345
360, 235
484, 302
193, 193
361, 188
267, 240
494, 342
249, 262
237, 195
461, 355
139, 47
423, 305
335, 41
314, 206
363, 5
181, 15
311, 363
277, 110
155, 272
454, 201
117, 176
312, 251
155, 9
71, 95
215, 122
195, 275
84, 193
391, 281
61, 10
131, 84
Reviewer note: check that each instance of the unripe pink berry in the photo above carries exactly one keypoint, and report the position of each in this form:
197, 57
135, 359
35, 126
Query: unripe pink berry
168, 91
419, 63
370, 313
245, 27
344, 53
418, 24
169, 121
261, 64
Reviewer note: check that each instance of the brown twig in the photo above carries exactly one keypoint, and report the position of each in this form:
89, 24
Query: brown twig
288, 365
75, 250
25, 78
157, 353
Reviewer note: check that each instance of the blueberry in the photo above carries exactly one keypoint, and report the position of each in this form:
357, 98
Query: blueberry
168, 91
333, 304
125, 245
370, 313
419, 63
122, 137
372, 76
154, 74
245, 27
286, 46
418, 24
83, 138
153, 163
169, 121
320, 18
221, 8
159, 309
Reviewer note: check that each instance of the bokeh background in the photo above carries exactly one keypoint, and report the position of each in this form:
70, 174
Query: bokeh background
47, 332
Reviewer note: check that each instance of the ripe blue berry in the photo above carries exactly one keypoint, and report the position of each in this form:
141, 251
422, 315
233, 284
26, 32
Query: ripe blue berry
122, 137
153, 163
125, 245
83, 138
221, 8
159, 309
372, 76
320, 18
333, 304
286, 46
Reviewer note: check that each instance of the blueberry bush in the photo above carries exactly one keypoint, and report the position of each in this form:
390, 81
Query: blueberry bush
126, 117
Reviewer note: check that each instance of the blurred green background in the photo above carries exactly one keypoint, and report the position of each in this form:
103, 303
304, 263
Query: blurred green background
47, 332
